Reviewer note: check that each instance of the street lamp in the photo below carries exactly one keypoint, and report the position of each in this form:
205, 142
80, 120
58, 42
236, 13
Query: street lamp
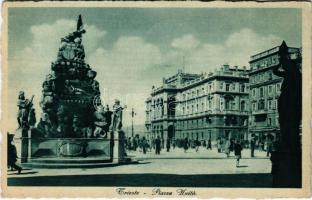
132, 116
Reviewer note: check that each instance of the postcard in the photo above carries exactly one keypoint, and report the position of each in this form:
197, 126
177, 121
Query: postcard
156, 99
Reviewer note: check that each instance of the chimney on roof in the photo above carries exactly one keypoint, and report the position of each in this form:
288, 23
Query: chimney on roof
236, 67
244, 68
164, 80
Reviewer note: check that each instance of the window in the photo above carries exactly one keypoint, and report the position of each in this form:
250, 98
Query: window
243, 106
254, 106
270, 89
227, 104
233, 86
243, 88
261, 92
197, 93
221, 103
269, 121
202, 107
254, 92
261, 104
269, 104
221, 86
278, 87
184, 97
274, 104
183, 110
227, 87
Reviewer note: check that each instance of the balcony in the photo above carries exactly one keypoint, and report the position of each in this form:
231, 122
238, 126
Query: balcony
260, 112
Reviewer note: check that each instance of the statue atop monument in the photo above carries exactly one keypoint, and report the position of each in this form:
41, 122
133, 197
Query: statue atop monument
69, 90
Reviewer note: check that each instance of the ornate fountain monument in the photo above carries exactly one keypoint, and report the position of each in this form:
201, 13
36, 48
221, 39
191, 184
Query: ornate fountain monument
75, 129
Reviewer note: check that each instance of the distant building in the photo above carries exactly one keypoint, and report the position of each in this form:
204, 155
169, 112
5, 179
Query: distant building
200, 106
264, 91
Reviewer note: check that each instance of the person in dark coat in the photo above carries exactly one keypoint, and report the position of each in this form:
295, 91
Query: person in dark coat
168, 144
252, 147
197, 143
238, 152
144, 145
12, 154
186, 144
209, 144
158, 145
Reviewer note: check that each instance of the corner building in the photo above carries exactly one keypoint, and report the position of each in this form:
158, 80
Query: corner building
265, 90
203, 106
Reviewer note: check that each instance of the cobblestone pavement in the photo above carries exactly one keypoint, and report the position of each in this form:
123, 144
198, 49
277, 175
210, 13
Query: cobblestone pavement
205, 168
175, 162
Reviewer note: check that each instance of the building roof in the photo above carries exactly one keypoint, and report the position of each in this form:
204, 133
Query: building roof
269, 52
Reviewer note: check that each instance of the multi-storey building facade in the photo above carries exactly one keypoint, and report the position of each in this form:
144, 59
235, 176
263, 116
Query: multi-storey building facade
200, 106
264, 91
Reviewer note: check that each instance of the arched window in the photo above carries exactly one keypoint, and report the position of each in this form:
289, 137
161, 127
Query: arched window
227, 104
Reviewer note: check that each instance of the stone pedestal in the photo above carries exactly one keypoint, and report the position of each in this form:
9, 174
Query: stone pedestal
24, 145
115, 144
118, 147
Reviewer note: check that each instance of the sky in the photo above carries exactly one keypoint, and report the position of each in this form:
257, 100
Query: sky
132, 49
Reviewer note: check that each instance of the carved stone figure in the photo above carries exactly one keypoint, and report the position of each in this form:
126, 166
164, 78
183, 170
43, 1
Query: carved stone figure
32, 117
24, 107
117, 116
99, 122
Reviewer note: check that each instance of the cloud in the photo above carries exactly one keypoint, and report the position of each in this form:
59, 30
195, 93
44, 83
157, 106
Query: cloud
121, 72
185, 43
235, 50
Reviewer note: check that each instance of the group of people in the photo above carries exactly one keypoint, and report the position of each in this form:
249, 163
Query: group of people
222, 145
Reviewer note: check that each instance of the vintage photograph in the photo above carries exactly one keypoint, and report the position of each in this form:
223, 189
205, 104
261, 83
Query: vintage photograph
170, 99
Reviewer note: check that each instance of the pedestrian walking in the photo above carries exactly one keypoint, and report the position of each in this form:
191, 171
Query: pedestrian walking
196, 144
168, 144
12, 154
186, 144
238, 152
174, 144
209, 144
144, 145
158, 145
227, 148
252, 147
219, 143
269, 144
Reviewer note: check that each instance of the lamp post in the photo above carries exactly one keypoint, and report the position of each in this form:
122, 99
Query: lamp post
132, 116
